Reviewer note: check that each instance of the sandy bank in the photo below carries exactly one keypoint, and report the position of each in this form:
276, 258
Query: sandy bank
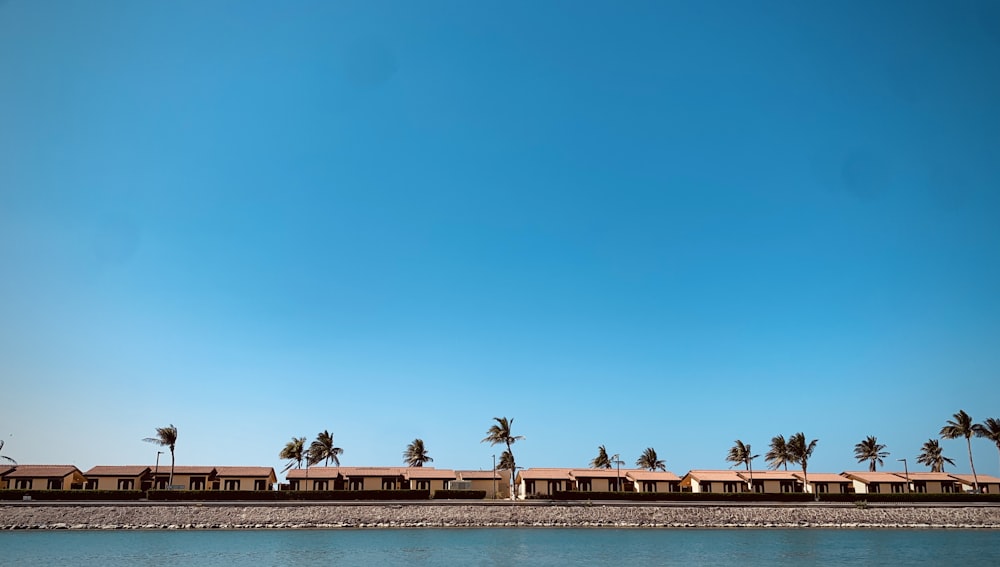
297, 516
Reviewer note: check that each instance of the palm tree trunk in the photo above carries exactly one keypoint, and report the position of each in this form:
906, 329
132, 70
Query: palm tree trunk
975, 479
171, 481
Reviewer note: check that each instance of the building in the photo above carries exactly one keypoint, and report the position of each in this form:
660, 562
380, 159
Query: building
428, 478
129, 477
245, 478
772, 482
987, 484
185, 478
714, 481
866, 482
496, 484
825, 483
315, 478
542, 482
45, 477
652, 481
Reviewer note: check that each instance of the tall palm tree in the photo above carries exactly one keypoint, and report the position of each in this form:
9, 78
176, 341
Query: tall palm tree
500, 432
415, 454
601, 461
871, 450
8, 459
506, 462
166, 437
649, 461
961, 426
322, 449
930, 455
294, 451
740, 454
990, 429
777, 455
800, 451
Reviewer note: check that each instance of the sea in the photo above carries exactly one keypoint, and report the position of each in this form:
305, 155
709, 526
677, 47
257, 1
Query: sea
504, 546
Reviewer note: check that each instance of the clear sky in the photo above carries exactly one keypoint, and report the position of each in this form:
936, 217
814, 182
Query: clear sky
663, 224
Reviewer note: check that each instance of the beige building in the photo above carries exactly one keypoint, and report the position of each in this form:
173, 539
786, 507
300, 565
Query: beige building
429, 478
185, 478
866, 482
315, 478
598, 480
542, 481
652, 481
488, 481
128, 477
771, 482
244, 478
714, 481
825, 483
987, 484
932, 483
45, 477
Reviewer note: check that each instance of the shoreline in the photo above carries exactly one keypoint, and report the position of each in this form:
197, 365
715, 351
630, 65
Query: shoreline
365, 515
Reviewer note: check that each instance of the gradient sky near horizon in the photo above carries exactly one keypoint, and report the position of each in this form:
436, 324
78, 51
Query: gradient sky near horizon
643, 224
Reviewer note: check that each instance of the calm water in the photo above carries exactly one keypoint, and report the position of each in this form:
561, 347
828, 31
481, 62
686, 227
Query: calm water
604, 547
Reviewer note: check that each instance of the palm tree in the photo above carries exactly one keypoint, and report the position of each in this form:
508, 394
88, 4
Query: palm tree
990, 429
870, 450
777, 455
930, 455
800, 452
166, 437
294, 451
322, 449
12, 461
961, 426
500, 432
739, 454
649, 461
415, 454
601, 461
506, 462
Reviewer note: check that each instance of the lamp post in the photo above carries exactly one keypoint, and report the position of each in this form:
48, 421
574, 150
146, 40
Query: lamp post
616, 459
156, 470
494, 476
906, 471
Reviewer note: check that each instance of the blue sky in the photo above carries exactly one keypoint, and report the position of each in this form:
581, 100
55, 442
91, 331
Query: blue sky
664, 225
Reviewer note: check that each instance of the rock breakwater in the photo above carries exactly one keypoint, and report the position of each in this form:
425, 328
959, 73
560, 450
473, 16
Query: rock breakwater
302, 516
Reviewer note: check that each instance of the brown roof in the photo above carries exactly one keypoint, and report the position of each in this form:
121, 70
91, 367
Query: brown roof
822, 477
4, 469
375, 471
422, 472
318, 473
598, 473
983, 478
265, 472
868, 477
657, 476
127, 470
769, 475
482, 475
539, 473
931, 476
715, 476
42, 471
181, 469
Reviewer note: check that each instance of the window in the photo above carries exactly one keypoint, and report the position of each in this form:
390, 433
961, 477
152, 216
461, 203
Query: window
584, 486
197, 483
555, 486
613, 485
730, 487
821, 487
357, 484
423, 485
874, 488
787, 486
232, 484
260, 485
529, 487
91, 484
22, 483
706, 487
648, 486
388, 484
126, 484
293, 485
920, 487
54, 484
321, 485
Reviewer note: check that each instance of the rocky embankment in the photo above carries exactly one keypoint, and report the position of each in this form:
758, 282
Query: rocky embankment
300, 516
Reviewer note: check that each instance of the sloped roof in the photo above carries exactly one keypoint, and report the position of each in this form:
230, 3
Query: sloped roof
822, 477
263, 472
653, 476
931, 476
182, 469
375, 471
126, 470
598, 473
318, 473
769, 475
4, 469
714, 476
422, 472
868, 477
545, 474
42, 471
983, 478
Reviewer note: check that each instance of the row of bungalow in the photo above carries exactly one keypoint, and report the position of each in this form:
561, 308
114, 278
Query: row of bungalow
533, 482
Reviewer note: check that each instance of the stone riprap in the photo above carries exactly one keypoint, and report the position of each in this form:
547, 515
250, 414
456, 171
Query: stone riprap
382, 515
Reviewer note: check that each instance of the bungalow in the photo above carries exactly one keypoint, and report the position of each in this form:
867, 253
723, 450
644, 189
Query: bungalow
653, 481
429, 478
4, 469
771, 482
185, 478
824, 483
987, 484
496, 484
933, 483
725, 481
543, 481
866, 482
315, 478
245, 478
374, 478
45, 477
129, 477
598, 480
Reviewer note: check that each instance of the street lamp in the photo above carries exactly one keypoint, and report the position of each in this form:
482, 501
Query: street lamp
494, 476
616, 459
156, 470
906, 471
